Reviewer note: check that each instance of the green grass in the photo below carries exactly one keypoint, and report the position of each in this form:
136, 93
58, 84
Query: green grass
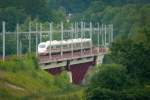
22, 79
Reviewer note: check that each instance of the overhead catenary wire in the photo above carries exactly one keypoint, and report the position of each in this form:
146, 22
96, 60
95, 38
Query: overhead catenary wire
98, 35
17, 37
36, 39
4, 30
50, 38
77, 30
62, 37
29, 37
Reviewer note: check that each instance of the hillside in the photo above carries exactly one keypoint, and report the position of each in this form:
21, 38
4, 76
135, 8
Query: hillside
22, 79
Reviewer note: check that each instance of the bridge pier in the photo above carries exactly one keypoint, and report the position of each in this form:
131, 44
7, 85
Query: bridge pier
79, 71
76, 68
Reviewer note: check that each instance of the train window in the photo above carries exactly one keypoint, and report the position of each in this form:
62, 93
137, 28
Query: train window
88, 43
65, 46
70, 45
48, 47
57, 46
78, 44
84, 44
42, 46
74, 45
54, 47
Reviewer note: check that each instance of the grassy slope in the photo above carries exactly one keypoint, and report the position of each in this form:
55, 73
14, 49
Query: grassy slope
22, 79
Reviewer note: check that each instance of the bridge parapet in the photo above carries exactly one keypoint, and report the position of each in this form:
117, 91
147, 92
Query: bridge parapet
70, 56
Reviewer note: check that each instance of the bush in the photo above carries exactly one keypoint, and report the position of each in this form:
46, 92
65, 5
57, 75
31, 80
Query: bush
111, 82
102, 94
110, 76
107, 83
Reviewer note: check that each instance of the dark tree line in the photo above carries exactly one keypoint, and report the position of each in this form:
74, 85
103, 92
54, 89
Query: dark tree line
17, 11
128, 79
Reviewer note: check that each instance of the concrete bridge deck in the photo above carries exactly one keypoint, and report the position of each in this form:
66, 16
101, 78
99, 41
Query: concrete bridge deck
70, 56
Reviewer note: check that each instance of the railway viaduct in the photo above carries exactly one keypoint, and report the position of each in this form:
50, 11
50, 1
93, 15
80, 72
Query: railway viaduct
76, 63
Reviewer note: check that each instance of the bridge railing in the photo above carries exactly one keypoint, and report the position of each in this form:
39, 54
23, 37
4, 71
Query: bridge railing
69, 56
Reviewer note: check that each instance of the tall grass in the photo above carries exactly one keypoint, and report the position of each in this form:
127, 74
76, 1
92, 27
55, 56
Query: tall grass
35, 83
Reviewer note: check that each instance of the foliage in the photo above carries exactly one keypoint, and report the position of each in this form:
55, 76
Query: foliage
107, 94
112, 82
71, 6
106, 82
22, 79
109, 76
133, 55
127, 17
17, 11
11, 15
107, 59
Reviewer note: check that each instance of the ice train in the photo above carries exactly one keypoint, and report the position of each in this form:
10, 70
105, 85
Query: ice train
66, 46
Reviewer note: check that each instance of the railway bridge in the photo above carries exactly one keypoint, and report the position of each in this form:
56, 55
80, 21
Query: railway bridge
75, 62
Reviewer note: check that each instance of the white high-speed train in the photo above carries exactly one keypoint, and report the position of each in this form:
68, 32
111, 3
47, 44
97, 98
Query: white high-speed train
66, 46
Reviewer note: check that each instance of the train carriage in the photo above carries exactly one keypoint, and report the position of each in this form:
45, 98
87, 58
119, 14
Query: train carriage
65, 45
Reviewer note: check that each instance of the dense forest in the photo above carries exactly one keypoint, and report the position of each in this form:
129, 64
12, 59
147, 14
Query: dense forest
127, 16
126, 70
125, 73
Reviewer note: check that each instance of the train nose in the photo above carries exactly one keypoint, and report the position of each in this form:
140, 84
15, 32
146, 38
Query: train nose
41, 50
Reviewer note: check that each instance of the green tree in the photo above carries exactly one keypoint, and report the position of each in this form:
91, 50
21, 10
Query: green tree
12, 15
107, 82
135, 56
